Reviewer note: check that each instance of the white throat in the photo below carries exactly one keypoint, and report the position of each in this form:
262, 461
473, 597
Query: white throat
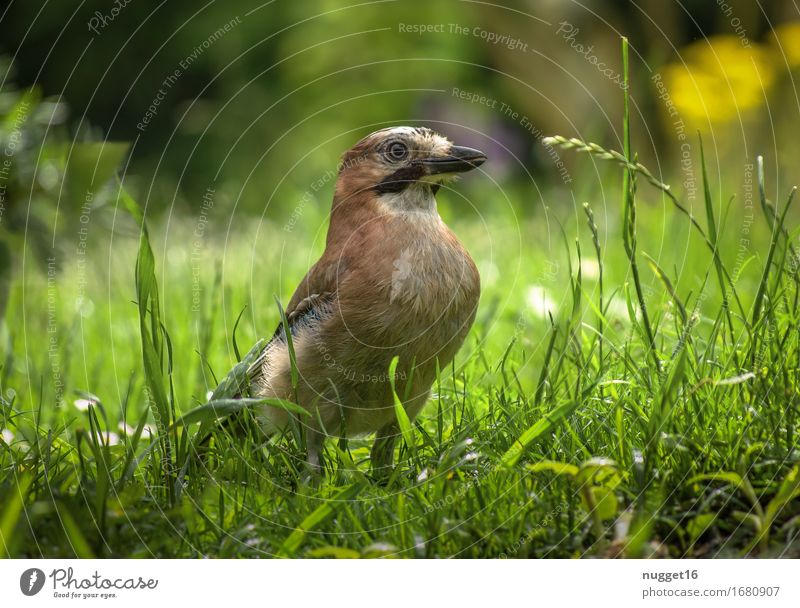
417, 198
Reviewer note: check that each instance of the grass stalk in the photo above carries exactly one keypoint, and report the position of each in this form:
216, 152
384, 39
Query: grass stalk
629, 211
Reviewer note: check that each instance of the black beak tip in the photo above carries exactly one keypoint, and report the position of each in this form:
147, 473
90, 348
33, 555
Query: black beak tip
458, 160
478, 160
471, 156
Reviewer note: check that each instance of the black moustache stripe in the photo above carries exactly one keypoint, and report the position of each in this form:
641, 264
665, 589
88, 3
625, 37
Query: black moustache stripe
400, 179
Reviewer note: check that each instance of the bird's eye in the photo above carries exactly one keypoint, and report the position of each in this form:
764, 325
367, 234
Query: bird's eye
396, 150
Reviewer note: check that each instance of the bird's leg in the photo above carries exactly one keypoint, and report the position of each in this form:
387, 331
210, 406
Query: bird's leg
314, 441
382, 452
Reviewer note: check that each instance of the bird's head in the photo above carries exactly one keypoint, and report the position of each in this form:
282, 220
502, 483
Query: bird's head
403, 167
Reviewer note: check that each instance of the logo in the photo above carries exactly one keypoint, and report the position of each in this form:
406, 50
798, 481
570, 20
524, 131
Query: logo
31, 581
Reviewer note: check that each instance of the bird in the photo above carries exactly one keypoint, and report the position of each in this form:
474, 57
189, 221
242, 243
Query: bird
393, 281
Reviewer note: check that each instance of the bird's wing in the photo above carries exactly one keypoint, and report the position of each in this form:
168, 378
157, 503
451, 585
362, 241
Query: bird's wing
237, 383
320, 281
310, 304
240, 379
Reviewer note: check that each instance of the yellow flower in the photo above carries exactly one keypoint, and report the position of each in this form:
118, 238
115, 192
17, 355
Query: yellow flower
718, 79
786, 40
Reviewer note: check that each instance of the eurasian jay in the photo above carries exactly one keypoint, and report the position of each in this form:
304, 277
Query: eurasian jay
393, 281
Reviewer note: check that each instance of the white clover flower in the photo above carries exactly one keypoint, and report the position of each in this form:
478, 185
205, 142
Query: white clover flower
540, 302
109, 438
83, 404
590, 269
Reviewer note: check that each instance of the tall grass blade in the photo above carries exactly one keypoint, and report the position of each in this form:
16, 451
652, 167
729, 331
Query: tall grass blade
403, 421
317, 517
659, 272
152, 340
711, 224
629, 210
763, 283
295, 375
74, 535
549, 421
11, 514
598, 254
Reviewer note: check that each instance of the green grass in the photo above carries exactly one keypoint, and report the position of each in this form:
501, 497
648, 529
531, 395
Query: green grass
654, 412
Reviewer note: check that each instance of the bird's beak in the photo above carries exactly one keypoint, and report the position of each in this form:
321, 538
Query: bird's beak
457, 160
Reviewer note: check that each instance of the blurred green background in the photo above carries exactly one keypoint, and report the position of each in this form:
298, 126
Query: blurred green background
262, 109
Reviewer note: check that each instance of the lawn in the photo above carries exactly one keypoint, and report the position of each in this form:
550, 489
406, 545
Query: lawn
630, 386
